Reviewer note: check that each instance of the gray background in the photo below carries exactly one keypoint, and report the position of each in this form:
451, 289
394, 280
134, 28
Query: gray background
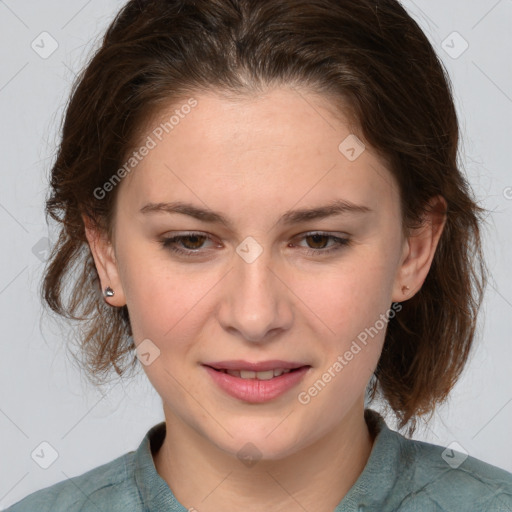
44, 398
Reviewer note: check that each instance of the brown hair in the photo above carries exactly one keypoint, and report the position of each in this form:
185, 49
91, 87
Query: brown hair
369, 56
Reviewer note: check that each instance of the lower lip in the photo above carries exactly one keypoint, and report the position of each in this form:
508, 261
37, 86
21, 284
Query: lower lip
257, 391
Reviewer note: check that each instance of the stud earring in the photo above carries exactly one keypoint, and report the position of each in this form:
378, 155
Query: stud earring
405, 289
108, 292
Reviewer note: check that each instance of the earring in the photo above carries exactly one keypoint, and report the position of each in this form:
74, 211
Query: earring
108, 292
405, 289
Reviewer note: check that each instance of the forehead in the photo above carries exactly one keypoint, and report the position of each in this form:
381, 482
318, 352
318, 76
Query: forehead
285, 144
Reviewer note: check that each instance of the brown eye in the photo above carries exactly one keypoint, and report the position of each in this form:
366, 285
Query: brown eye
188, 244
317, 240
318, 243
196, 241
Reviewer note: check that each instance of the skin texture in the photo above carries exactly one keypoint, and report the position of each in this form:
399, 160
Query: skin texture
252, 160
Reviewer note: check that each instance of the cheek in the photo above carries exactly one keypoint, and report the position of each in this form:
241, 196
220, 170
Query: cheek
164, 300
350, 309
346, 298
154, 297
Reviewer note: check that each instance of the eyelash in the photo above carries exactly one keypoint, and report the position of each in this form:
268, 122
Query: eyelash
169, 243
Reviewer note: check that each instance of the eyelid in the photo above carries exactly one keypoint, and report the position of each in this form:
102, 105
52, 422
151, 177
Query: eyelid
332, 234
178, 235
341, 241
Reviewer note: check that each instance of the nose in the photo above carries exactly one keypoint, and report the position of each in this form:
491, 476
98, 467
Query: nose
256, 302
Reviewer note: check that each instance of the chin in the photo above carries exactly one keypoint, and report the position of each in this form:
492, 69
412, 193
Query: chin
258, 442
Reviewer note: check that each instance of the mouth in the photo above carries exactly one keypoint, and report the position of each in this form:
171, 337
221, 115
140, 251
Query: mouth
256, 382
261, 375
262, 370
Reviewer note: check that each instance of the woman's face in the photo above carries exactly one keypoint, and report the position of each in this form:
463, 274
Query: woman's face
270, 282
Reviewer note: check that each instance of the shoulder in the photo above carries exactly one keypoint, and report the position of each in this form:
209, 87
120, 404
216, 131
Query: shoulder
104, 488
407, 475
449, 479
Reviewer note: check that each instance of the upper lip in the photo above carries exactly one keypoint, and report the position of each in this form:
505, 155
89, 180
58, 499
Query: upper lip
260, 366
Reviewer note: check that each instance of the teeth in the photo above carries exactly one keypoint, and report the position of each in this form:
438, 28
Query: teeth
247, 374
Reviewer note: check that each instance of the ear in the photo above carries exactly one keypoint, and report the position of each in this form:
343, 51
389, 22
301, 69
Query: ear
105, 261
419, 250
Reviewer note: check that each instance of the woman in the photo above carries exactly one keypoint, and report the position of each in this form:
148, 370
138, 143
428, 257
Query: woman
266, 195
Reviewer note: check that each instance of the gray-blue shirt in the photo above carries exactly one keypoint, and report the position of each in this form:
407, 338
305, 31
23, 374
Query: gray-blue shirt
401, 475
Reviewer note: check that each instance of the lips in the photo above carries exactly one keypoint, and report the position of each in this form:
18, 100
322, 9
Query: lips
262, 366
256, 390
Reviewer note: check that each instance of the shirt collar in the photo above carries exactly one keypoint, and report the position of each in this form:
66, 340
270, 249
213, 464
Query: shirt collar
155, 493
379, 476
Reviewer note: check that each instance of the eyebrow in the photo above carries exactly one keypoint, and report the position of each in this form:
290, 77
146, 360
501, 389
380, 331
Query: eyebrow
336, 207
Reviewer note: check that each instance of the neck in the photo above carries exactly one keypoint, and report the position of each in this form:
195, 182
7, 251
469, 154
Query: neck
314, 478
